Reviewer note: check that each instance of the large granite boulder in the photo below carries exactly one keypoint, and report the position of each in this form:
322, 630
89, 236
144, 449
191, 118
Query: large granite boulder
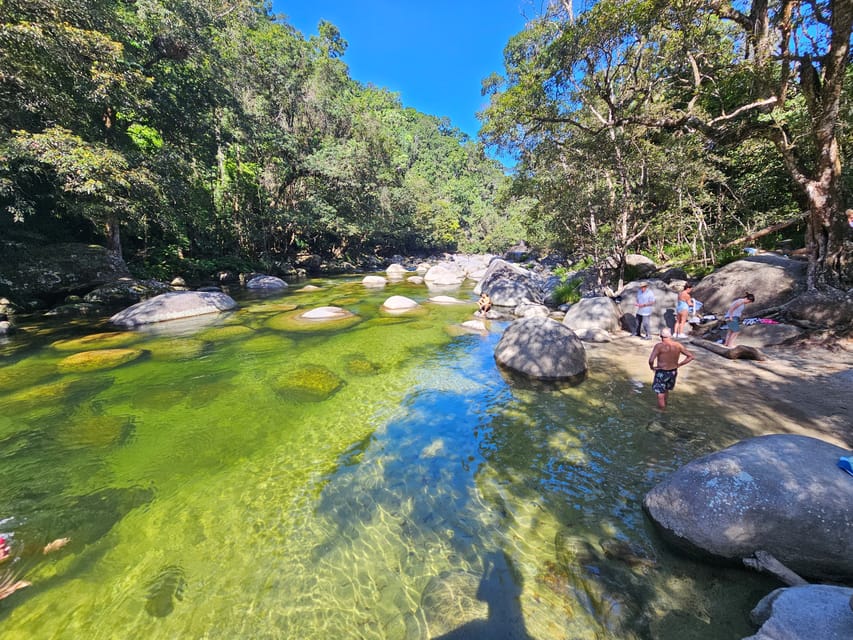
508, 285
821, 310
663, 312
760, 335
783, 494
772, 279
642, 266
37, 276
599, 313
444, 275
805, 612
173, 305
542, 349
263, 282
374, 281
395, 271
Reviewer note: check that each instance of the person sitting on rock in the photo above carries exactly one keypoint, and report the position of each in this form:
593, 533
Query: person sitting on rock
484, 303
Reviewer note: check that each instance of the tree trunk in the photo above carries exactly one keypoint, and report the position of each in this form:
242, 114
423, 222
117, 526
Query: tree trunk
738, 352
826, 222
113, 236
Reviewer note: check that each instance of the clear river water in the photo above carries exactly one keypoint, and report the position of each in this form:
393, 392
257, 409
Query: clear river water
252, 476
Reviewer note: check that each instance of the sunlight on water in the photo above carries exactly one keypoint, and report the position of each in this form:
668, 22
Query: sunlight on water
245, 478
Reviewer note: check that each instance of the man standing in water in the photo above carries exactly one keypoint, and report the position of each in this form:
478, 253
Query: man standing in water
664, 362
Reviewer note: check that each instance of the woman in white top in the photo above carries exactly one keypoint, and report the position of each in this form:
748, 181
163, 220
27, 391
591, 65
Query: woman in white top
733, 314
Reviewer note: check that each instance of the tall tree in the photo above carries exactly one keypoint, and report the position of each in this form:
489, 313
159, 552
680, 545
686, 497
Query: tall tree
574, 105
796, 54
731, 70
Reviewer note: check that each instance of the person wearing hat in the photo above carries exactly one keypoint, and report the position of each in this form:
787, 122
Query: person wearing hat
664, 361
645, 305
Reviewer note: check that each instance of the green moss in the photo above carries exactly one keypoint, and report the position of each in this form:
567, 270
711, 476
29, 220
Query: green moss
361, 366
106, 340
98, 360
312, 383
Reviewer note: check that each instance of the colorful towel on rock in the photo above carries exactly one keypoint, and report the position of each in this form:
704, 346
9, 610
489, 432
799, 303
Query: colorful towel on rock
751, 321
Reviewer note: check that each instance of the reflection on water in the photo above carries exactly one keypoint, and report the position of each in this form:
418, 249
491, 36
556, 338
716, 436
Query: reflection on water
253, 478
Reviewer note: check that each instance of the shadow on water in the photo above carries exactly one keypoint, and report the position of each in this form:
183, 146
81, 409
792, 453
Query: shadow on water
500, 588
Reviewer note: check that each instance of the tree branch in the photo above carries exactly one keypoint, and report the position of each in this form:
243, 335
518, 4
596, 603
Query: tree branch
765, 231
758, 104
764, 561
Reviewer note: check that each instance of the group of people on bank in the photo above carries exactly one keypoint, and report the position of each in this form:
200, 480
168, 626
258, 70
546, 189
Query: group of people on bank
645, 306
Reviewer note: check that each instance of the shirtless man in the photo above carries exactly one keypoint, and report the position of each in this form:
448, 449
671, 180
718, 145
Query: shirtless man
664, 362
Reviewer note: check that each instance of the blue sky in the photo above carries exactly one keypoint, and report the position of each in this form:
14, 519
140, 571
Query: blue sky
434, 53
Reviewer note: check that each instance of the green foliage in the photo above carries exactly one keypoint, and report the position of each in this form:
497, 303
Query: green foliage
145, 138
222, 133
210, 133
567, 292
642, 125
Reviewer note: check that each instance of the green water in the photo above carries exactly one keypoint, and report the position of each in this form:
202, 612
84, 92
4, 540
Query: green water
256, 478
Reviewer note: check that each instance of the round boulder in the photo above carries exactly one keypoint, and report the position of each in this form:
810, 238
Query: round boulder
374, 281
807, 611
783, 494
399, 303
266, 283
542, 349
643, 267
395, 270
173, 305
326, 313
598, 314
444, 275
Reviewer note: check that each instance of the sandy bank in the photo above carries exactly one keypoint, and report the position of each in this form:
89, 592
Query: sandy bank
804, 389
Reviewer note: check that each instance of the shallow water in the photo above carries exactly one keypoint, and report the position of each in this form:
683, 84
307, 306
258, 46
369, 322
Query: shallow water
254, 478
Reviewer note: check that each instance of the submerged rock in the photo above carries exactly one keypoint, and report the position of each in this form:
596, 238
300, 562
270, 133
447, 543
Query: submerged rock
317, 320
312, 383
98, 359
164, 591
449, 601
104, 340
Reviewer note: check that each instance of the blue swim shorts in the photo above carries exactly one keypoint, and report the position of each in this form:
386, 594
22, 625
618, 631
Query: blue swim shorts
664, 380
